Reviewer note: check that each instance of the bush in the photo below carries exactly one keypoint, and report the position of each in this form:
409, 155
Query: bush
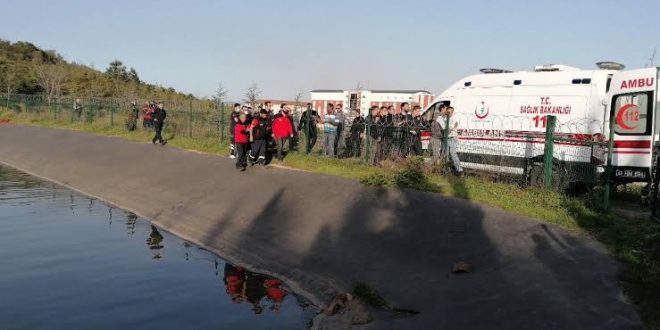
376, 180
412, 175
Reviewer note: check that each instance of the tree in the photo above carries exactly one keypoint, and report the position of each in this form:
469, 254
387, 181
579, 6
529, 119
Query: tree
297, 99
220, 94
133, 76
252, 95
117, 70
51, 78
218, 98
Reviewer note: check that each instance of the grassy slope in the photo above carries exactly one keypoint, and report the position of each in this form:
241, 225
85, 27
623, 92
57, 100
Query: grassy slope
635, 242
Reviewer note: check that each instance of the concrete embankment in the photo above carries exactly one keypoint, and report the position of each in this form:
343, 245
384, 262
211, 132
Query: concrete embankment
322, 234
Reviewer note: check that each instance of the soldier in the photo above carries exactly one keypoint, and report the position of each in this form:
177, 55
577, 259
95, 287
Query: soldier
417, 124
307, 125
354, 140
374, 137
258, 135
158, 119
387, 132
340, 119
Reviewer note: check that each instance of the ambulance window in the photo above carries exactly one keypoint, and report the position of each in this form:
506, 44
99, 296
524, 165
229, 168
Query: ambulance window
433, 110
428, 115
632, 113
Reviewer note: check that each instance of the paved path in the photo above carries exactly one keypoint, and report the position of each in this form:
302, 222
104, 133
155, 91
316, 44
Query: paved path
322, 233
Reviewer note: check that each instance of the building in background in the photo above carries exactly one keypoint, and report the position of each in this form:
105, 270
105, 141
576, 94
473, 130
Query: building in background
364, 99
296, 106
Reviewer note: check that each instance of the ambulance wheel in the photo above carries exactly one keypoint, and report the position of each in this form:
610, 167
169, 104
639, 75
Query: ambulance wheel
537, 177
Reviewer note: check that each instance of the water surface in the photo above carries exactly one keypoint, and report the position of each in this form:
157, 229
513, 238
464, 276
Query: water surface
71, 262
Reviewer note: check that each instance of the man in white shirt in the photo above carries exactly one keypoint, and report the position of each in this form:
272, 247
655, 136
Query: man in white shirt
452, 138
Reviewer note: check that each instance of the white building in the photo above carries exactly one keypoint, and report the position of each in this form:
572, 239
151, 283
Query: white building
364, 99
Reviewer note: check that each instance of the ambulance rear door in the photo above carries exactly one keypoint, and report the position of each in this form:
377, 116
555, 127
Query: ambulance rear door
632, 106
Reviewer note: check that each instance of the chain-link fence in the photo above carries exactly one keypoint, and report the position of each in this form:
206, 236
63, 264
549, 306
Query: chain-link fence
192, 119
536, 151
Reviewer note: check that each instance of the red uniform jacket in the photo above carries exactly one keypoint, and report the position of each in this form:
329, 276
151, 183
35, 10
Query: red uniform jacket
282, 127
147, 112
241, 134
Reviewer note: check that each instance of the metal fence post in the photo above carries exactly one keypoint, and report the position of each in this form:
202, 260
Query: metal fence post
221, 122
112, 113
548, 151
367, 138
445, 139
190, 119
654, 194
57, 109
607, 186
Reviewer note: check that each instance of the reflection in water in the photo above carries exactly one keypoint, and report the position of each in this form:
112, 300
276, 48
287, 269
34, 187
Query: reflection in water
245, 286
50, 275
154, 240
131, 219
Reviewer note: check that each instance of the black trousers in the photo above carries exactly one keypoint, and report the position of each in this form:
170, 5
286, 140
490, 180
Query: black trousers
232, 146
353, 145
416, 145
241, 154
258, 151
280, 147
158, 127
310, 140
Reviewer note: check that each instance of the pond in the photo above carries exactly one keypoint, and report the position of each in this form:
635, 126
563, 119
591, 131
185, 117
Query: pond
72, 262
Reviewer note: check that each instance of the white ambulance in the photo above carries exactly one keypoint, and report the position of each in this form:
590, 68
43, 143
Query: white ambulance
502, 120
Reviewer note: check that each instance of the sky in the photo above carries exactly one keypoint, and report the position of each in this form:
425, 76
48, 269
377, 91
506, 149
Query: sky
300, 45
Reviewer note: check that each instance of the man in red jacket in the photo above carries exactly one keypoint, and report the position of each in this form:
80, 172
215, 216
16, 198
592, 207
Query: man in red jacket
242, 141
282, 130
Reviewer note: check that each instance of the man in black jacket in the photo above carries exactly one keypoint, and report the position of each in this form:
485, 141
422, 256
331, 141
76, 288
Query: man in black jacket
387, 133
259, 132
354, 140
307, 124
373, 124
416, 127
159, 119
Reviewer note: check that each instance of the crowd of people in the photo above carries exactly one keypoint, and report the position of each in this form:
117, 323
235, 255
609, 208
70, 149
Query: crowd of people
391, 132
387, 132
254, 134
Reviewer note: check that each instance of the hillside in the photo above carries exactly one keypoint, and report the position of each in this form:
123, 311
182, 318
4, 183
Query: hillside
28, 69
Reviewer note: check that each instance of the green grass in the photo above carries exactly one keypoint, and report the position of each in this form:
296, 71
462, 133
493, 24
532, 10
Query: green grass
635, 242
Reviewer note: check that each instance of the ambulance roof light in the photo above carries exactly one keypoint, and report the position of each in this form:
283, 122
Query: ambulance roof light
554, 67
608, 65
494, 70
